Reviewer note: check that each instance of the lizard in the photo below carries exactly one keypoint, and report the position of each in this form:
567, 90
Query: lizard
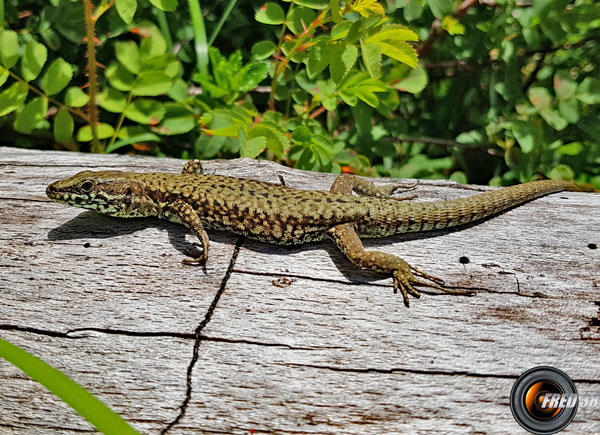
282, 215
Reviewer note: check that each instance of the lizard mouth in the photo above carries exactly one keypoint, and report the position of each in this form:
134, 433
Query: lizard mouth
91, 202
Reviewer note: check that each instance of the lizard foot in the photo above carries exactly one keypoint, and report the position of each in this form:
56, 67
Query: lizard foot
196, 259
405, 280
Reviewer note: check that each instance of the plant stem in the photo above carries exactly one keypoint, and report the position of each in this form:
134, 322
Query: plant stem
281, 64
163, 24
222, 20
121, 118
74, 111
90, 23
200, 42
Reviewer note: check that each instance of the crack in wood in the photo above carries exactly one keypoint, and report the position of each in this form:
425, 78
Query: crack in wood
198, 336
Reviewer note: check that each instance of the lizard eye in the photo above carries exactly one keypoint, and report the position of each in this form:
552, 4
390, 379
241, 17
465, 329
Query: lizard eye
87, 186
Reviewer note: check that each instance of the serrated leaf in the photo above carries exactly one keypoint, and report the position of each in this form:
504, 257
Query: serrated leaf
251, 75
126, 9
112, 100
75, 97
63, 125
394, 32
128, 53
276, 140
342, 57
57, 77
371, 56
9, 54
119, 78
400, 51
151, 84
104, 131
263, 50
270, 13
165, 5
145, 111
317, 59
368, 8
253, 147
33, 112
13, 97
33, 60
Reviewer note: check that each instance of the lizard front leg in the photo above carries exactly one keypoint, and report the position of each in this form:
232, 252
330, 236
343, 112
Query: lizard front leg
347, 183
188, 216
402, 273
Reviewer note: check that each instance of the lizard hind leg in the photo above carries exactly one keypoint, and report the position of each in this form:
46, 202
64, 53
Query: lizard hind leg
346, 239
347, 183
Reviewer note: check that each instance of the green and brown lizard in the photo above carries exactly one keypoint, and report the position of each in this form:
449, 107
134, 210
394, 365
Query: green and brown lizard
282, 215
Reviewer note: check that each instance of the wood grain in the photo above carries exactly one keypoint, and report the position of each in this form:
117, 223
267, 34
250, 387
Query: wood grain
288, 340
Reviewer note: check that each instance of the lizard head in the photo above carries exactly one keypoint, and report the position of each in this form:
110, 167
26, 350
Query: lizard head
113, 193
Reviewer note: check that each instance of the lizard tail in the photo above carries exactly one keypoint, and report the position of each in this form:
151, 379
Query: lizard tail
423, 216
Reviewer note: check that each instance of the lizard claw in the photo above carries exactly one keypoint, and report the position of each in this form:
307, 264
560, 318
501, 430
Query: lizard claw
195, 260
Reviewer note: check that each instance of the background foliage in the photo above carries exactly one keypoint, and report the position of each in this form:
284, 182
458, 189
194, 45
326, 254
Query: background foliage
494, 91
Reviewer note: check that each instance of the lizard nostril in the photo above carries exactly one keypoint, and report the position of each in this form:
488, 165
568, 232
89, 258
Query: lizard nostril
51, 189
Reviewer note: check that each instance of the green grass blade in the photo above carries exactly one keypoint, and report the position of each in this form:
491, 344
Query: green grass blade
200, 41
73, 394
222, 20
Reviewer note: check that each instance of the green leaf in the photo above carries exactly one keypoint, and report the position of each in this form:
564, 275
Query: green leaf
126, 9
3, 75
142, 137
263, 50
313, 4
340, 30
33, 112
561, 172
453, 26
564, 87
73, 394
299, 19
33, 60
57, 77
145, 111
112, 100
177, 120
569, 109
63, 125
540, 97
276, 140
570, 149
371, 56
317, 59
13, 97
75, 97
342, 59
414, 82
368, 8
165, 5
9, 54
554, 120
104, 131
270, 13
394, 32
527, 134
254, 147
400, 51
179, 91
151, 84
413, 10
335, 11
440, 8
154, 45
128, 53
588, 91
119, 77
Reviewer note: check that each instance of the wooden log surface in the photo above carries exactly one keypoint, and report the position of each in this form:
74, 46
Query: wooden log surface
270, 339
